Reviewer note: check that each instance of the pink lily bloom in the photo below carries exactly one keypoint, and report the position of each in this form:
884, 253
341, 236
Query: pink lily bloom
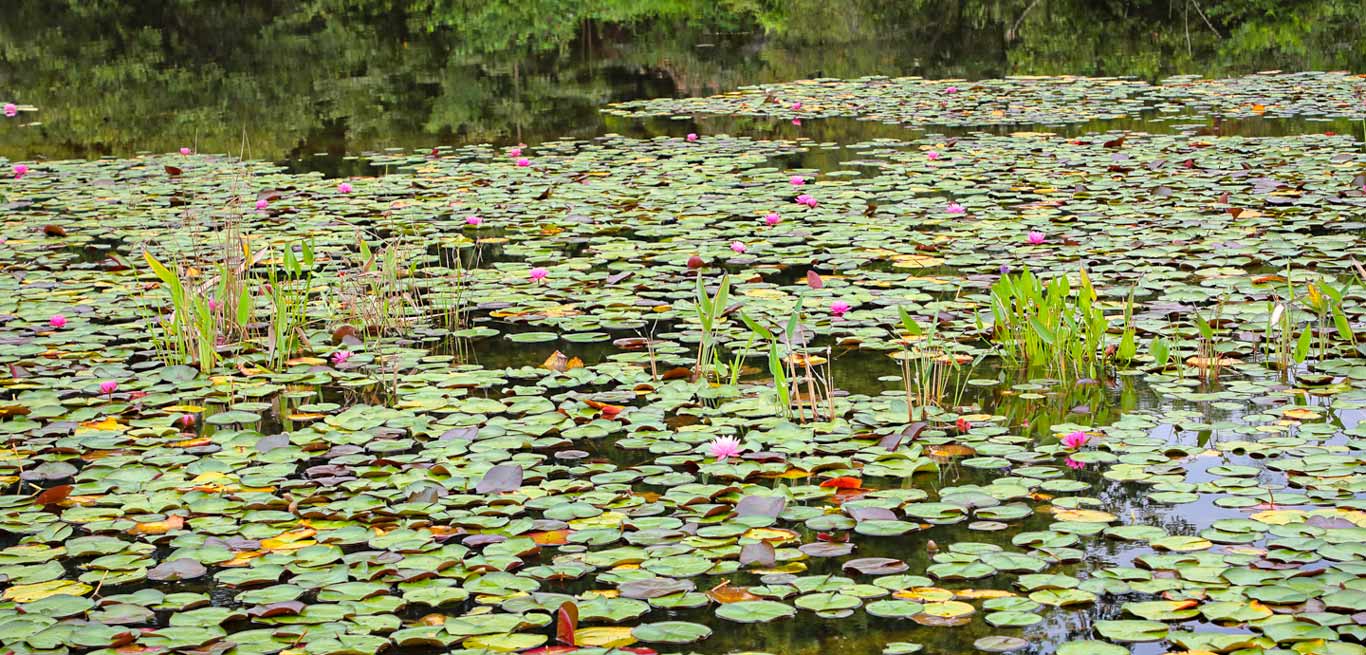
57, 321
839, 308
1075, 440
724, 447
1034, 238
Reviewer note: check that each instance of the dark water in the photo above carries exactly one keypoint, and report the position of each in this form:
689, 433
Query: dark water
288, 79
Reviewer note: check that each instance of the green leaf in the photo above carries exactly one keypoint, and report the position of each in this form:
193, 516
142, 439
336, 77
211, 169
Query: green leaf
1161, 351
1303, 343
755, 611
291, 262
912, 328
1044, 333
244, 306
163, 273
671, 632
1205, 330
1127, 346
754, 327
1344, 328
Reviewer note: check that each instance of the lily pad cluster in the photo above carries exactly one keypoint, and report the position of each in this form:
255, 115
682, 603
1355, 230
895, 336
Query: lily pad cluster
1018, 100
506, 461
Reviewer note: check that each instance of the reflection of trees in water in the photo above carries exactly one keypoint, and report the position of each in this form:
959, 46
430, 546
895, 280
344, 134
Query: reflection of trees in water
299, 77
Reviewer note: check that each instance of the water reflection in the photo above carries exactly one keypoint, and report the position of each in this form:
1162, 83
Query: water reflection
288, 79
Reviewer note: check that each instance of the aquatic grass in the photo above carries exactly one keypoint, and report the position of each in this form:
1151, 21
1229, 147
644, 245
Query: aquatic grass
196, 323
1047, 326
734, 367
777, 368
1208, 359
452, 302
710, 310
287, 293
1287, 341
205, 312
1326, 301
933, 373
792, 366
379, 293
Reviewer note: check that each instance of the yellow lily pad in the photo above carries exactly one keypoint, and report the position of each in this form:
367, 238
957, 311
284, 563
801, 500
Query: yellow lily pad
27, 593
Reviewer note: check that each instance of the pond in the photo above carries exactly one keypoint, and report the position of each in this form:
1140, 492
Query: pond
506, 341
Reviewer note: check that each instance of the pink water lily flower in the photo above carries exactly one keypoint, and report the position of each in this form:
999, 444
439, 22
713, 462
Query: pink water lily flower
806, 199
262, 203
186, 421
523, 162
338, 358
20, 170
514, 152
691, 137
839, 308
185, 151
955, 208
932, 155
797, 180
723, 447
952, 89
474, 220
537, 274
108, 387
772, 218
11, 109
1075, 440
1035, 238
57, 321
344, 187
796, 106
738, 247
